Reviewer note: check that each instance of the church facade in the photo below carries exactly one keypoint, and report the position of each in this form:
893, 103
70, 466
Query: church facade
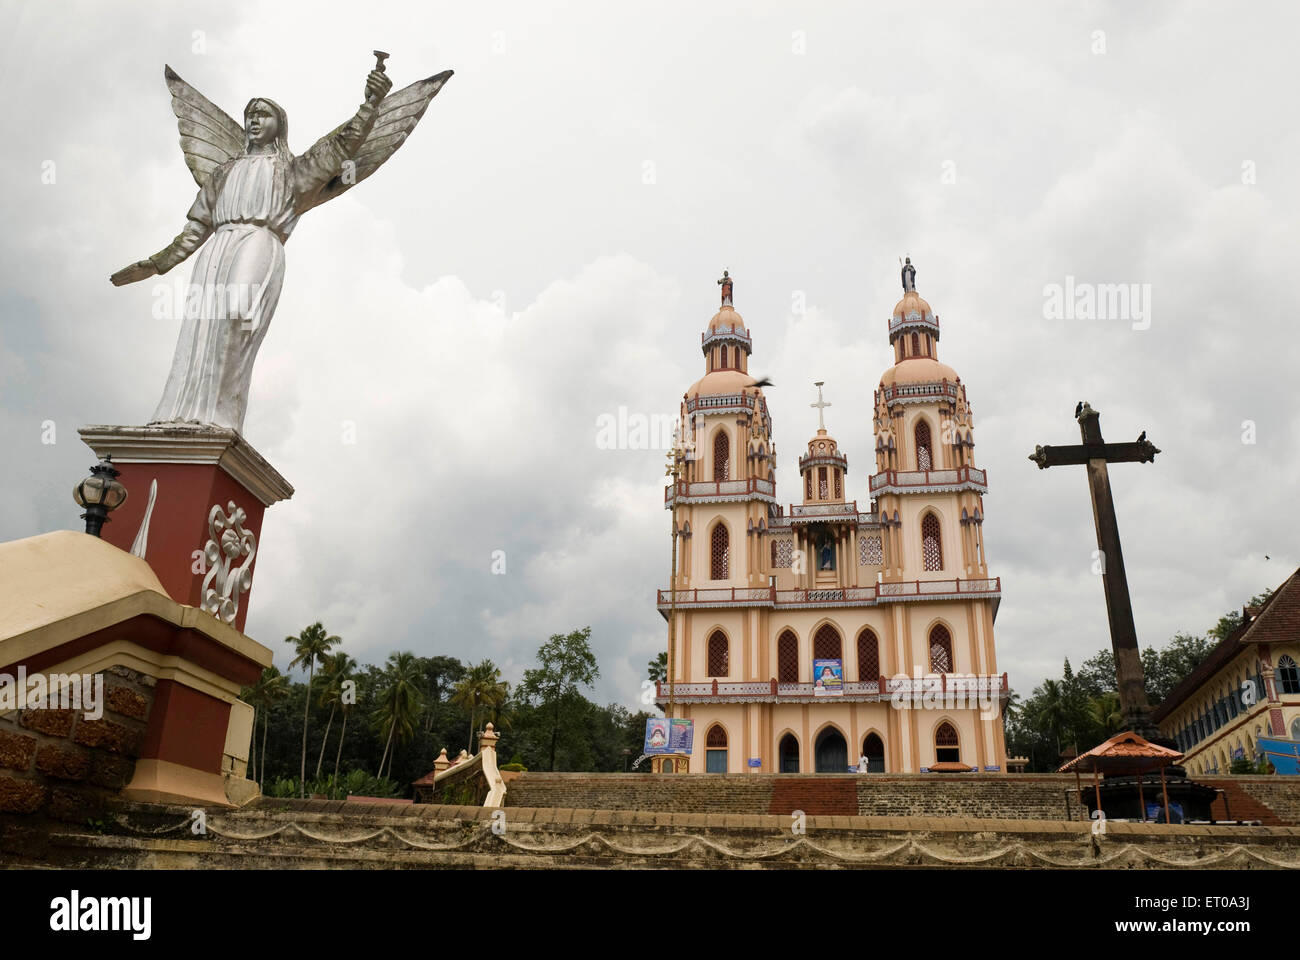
808, 636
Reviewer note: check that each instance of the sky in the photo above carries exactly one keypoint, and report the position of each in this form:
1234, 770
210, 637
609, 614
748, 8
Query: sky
542, 252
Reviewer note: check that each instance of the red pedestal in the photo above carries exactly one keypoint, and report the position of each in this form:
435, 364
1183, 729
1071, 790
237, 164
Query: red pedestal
196, 468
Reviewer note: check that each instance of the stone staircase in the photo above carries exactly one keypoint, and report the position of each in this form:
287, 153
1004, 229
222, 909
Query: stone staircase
1240, 805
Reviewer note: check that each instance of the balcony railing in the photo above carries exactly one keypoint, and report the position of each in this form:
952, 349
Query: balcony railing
859, 596
704, 490
723, 400
883, 687
807, 512
918, 481
942, 389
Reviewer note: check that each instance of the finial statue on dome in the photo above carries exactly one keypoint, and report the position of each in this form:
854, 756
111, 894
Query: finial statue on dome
909, 276
725, 283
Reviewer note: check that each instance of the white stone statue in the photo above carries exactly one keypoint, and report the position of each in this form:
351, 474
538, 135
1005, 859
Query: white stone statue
252, 191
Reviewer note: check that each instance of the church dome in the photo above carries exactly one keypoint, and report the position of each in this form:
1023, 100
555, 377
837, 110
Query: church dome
918, 370
727, 320
913, 307
722, 383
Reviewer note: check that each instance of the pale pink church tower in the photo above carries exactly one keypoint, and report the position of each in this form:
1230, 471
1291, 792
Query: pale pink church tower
895, 587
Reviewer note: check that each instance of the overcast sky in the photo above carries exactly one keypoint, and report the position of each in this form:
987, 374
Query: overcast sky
543, 251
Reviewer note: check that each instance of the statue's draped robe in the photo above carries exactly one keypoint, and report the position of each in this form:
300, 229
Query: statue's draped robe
248, 207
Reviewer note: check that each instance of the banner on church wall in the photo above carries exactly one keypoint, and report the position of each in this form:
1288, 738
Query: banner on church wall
828, 678
669, 736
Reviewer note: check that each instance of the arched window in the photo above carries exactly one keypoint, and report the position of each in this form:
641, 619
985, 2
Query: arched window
787, 658
1288, 676
940, 650
839, 486
726, 356
916, 345
715, 750
721, 552
947, 748
718, 658
868, 656
807, 485
826, 643
721, 455
931, 546
924, 459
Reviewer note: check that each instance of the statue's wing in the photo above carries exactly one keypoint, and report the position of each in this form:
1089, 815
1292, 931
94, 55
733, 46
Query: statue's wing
209, 136
397, 116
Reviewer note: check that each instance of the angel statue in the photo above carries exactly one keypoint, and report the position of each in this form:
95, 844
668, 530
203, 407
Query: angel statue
252, 191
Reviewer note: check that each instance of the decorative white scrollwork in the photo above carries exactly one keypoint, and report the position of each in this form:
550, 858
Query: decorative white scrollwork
228, 542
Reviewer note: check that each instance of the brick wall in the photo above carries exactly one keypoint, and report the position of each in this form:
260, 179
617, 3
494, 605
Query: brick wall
59, 765
1272, 800
1014, 797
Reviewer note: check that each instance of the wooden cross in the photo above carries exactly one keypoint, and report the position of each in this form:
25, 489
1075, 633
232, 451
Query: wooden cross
1096, 453
821, 405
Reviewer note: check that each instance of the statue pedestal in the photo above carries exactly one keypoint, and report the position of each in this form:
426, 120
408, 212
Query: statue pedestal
197, 467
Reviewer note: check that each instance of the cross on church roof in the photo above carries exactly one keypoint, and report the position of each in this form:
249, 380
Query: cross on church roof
821, 405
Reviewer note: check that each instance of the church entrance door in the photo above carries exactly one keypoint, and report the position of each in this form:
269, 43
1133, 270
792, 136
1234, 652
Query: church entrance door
832, 752
789, 754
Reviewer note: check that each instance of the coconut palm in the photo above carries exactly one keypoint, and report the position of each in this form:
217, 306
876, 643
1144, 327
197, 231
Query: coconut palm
1106, 713
310, 647
481, 687
338, 667
270, 688
400, 702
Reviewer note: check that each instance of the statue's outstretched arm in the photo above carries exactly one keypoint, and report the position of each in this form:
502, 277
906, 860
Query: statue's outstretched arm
325, 159
198, 227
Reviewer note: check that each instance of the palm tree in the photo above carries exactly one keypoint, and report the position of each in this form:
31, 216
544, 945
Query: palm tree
1055, 712
400, 701
1106, 713
310, 648
481, 686
338, 667
270, 688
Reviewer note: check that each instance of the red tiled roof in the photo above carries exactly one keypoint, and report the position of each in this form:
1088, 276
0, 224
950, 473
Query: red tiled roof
1123, 753
1278, 621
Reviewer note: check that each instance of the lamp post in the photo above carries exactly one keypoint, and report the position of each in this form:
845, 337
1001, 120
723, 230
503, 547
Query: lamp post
99, 493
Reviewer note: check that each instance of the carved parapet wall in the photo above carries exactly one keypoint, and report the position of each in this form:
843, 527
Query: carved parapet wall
72, 605
465, 781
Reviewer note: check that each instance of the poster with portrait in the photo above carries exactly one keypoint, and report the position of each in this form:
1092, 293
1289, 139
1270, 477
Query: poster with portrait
828, 678
669, 736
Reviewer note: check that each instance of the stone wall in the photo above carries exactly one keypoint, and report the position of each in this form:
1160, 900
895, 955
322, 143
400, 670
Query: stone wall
58, 765
286, 834
1017, 797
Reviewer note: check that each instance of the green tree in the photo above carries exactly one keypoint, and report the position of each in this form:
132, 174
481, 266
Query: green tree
400, 701
567, 663
338, 669
481, 686
270, 688
310, 648
1106, 714
657, 669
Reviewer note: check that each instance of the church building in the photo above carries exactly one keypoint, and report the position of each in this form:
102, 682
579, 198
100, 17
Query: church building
806, 637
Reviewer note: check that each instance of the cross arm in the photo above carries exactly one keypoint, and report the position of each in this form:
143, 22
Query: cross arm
1139, 451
